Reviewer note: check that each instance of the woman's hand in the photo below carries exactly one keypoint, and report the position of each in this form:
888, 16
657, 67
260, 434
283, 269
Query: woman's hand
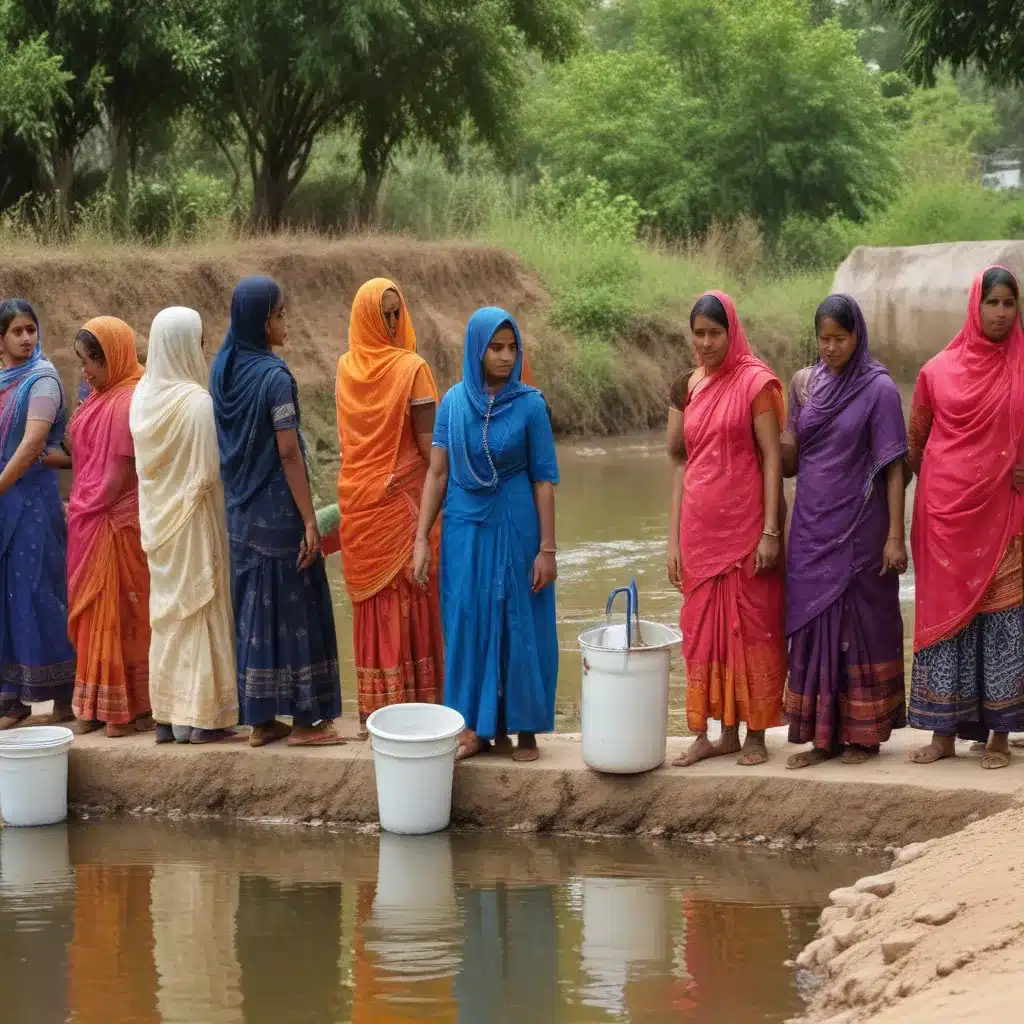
767, 554
894, 556
674, 566
421, 561
1018, 477
545, 571
309, 548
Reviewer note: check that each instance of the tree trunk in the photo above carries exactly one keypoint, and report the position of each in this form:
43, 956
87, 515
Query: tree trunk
270, 192
120, 166
62, 182
373, 178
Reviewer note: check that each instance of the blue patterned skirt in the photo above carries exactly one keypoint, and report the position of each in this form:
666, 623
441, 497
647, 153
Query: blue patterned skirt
287, 648
37, 661
972, 683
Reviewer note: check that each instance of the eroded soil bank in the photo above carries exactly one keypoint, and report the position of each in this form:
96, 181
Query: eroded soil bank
938, 938
882, 803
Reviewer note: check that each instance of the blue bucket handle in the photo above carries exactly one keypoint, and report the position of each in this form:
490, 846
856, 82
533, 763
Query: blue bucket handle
632, 608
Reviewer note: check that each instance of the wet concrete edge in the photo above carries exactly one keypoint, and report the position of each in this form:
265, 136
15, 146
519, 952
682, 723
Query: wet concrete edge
338, 786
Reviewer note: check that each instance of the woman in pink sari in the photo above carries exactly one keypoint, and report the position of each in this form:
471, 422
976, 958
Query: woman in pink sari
725, 530
966, 441
108, 576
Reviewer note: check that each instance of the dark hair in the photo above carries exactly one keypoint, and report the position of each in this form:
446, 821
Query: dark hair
995, 276
711, 307
12, 308
835, 307
92, 346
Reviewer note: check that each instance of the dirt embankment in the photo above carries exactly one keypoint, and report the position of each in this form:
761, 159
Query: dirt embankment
443, 284
938, 938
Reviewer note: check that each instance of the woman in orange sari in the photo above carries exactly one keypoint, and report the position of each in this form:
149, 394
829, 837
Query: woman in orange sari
386, 401
725, 531
108, 576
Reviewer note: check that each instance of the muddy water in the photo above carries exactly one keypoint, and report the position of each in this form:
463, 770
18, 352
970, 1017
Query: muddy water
141, 922
612, 509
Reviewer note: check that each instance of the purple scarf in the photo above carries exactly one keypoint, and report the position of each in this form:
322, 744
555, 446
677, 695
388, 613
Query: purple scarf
849, 428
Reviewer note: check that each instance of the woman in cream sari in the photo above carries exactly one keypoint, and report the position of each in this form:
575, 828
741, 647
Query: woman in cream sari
181, 511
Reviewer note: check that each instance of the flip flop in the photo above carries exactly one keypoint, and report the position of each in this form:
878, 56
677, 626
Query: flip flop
525, 754
262, 735
995, 759
327, 738
201, 736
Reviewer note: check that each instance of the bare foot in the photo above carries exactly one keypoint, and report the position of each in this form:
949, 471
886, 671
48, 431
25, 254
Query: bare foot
83, 726
977, 748
940, 747
755, 751
144, 723
1018, 744
526, 749
857, 754
269, 732
503, 746
469, 745
14, 716
117, 731
364, 733
809, 758
702, 748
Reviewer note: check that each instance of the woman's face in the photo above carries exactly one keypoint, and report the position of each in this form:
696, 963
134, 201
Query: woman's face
500, 356
17, 344
391, 308
998, 313
95, 372
711, 341
277, 325
835, 345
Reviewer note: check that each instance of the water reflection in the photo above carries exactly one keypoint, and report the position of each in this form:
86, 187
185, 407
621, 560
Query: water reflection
146, 922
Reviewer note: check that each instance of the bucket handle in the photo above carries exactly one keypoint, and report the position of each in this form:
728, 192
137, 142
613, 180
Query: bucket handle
632, 609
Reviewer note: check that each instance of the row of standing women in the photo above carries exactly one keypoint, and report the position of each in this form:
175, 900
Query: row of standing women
235, 623
827, 615
195, 594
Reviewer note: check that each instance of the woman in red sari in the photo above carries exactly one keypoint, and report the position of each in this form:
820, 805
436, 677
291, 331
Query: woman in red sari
967, 537
725, 530
108, 575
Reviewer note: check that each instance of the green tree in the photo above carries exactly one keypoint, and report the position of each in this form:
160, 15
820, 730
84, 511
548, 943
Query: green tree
446, 63
720, 108
963, 32
32, 83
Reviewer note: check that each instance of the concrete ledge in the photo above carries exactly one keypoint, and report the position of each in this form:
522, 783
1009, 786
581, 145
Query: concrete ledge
886, 801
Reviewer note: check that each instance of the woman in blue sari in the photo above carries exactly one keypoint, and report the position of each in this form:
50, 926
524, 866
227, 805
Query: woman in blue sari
495, 470
37, 661
284, 622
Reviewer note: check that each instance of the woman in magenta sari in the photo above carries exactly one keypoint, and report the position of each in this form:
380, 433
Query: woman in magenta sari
846, 442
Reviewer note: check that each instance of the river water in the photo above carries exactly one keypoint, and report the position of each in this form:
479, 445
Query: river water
145, 922
612, 521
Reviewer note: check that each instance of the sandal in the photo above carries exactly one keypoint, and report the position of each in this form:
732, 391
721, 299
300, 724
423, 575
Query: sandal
83, 726
526, 749
323, 736
856, 754
995, 759
15, 717
808, 758
201, 736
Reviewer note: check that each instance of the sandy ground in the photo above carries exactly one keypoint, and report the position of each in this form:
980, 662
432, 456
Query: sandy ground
884, 802
946, 944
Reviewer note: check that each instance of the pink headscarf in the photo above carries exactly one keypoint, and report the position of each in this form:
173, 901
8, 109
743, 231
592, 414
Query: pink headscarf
723, 510
966, 510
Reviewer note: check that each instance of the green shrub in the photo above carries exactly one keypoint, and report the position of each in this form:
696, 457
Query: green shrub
182, 206
807, 243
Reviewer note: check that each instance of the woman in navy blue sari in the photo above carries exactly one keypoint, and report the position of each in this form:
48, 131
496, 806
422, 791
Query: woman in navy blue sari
37, 661
494, 468
284, 622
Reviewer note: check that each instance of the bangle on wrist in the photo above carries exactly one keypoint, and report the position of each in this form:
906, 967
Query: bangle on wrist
775, 534
549, 551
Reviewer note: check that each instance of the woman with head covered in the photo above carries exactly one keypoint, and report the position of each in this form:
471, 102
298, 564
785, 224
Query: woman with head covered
184, 535
286, 648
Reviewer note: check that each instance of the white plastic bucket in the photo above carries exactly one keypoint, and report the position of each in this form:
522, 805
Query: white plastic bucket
34, 774
625, 698
414, 761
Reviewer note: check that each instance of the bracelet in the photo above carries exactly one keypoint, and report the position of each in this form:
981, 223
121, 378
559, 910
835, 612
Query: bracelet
549, 551
775, 534
900, 539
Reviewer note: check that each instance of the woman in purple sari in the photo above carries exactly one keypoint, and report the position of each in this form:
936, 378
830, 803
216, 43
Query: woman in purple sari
846, 442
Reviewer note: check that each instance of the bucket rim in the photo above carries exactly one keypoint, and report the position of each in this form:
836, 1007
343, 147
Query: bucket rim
35, 737
383, 734
677, 638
